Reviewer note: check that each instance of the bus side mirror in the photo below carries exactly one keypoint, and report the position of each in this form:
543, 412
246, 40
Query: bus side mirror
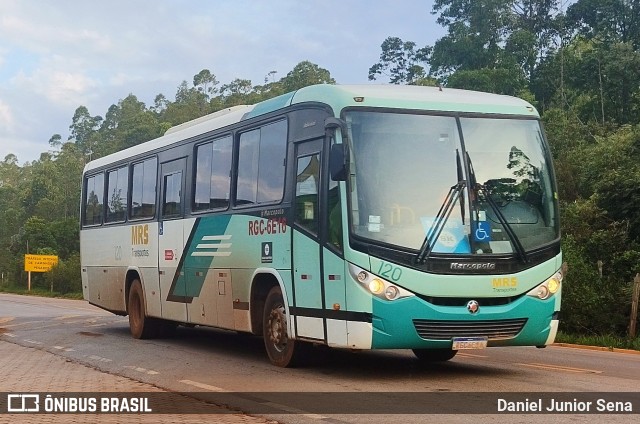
338, 163
338, 153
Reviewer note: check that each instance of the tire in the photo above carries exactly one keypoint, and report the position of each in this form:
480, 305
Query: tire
140, 325
280, 348
434, 355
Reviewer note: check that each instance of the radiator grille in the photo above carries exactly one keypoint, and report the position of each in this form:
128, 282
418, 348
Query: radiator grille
446, 330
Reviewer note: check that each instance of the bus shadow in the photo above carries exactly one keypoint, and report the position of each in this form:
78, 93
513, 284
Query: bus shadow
325, 361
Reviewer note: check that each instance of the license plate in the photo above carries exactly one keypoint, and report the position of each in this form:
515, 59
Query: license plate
461, 343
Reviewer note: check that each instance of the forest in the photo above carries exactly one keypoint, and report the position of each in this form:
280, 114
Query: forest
578, 63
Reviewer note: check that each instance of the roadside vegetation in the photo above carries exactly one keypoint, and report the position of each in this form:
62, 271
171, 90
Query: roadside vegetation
578, 65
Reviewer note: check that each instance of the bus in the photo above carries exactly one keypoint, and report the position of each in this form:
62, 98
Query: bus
357, 217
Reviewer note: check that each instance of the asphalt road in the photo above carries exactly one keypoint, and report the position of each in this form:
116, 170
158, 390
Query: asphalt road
333, 385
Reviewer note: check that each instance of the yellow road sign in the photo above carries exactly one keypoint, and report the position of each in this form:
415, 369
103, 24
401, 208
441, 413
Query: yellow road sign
39, 263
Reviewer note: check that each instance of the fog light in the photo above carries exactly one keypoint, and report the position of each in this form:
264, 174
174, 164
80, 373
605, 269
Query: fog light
362, 276
543, 292
391, 292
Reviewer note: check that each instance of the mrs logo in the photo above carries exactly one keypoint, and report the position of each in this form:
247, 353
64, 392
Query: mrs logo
140, 234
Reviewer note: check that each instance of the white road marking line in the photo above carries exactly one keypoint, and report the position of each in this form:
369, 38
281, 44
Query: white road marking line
66, 349
99, 358
32, 341
203, 386
142, 370
8, 334
561, 368
66, 317
471, 355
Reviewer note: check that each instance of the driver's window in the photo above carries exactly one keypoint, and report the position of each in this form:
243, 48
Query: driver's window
307, 184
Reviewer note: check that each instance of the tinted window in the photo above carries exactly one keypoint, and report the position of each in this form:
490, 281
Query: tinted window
213, 170
143, 189
94, 201
172, 196
117, 189
273, 144
248, 156
261, 162
307, 183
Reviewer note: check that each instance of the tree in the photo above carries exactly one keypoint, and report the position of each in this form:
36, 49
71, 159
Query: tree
597, 82
494, 39
55, 141
160, 104
535, 26
476, 32
305, 74
83, 129
400, 62
189, 104
509, 81
608, 21
205, 82
135, 124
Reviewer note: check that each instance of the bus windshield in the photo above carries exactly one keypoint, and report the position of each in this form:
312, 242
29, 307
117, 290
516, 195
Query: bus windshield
404, 166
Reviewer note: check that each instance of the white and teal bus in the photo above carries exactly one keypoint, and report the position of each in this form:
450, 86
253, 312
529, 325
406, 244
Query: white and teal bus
359, 217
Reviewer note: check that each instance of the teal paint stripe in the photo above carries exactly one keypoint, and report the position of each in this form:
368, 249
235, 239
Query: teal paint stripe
206, 240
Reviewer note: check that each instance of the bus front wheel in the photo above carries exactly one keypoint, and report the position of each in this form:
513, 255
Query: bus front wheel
279, 346
434, 355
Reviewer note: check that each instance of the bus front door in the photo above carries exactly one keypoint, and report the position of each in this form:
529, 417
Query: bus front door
317, 273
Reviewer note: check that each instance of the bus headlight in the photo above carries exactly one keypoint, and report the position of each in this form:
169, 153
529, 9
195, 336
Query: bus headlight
377, 286
547, 288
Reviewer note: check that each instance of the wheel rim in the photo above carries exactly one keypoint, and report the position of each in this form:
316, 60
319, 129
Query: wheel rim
277, 327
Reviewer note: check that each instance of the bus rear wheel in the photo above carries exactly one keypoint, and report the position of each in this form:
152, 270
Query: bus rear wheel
141, 326
434, 355
280, 348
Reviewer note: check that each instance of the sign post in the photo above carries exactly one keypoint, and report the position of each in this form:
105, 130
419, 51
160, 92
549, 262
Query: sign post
38, 263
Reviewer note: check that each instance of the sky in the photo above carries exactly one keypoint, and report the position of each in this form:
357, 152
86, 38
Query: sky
58, 55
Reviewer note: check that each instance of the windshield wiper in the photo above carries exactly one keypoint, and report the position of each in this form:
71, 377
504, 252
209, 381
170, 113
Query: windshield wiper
439, 222
479, 188
460, 178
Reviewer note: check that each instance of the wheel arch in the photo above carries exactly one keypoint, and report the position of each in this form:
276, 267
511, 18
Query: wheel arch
131, 275
262, 281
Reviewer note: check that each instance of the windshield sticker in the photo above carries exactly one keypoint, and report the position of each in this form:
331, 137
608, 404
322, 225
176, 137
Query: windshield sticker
452, 238
374, 223
482, 232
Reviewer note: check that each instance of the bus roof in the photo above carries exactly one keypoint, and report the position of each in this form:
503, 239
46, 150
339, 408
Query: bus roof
337, 97
213, 121
413, 97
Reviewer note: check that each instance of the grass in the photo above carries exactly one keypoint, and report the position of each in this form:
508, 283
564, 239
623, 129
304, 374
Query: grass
608, 340
39, 292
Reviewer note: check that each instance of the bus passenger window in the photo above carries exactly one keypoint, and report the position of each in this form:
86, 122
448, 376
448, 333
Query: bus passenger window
94, 202
273, 148
249, 152
307, 181
117, 189
143, 189
261, 164
171, 198
213, 175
